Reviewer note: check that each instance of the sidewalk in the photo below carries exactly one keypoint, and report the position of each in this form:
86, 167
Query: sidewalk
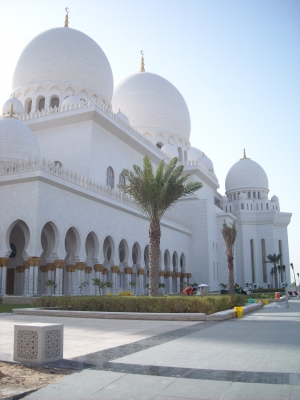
257, 357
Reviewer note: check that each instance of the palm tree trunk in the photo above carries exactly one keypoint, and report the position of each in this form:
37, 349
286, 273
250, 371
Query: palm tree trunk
230, 273
276, 276
154, 253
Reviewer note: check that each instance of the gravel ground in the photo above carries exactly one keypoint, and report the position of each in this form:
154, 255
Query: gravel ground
16, 378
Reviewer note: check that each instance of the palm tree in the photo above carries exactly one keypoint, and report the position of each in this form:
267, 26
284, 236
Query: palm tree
272, 273
274, 259
279, 274
229, 235
154, 194
283, 268
292, 265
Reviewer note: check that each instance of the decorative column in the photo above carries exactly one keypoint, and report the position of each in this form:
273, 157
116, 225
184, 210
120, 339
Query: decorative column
162, 276
3, 275
98, 270
178, 275
26, 278
128, 274
104, 275
19, 271
49, 272
70, 270
88, 271
33, 275
169, 276
115, 269
80, 266
140, 276
43, 270
59, 266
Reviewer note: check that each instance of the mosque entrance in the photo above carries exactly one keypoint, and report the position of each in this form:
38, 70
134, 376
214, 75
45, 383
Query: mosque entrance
10, 280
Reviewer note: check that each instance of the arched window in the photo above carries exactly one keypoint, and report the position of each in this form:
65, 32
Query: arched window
254, 195
249, 195
234, 196
29, 106
262, 206
54, 102
247, 206
267, 206
110, 178
41, 104
242, 206
122, 179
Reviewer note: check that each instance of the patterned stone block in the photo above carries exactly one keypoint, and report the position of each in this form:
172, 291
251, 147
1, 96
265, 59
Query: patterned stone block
38, 343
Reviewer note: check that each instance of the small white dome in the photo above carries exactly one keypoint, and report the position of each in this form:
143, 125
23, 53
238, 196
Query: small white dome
225, 199
17, 107
242, 196
274, 199
152, 105
123, 117
65, 56
264, 195
72, 100
207, 162
195, 154
18, 142
246, 174
170, 150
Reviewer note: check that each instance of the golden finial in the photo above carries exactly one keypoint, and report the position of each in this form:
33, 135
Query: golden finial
67, 18
244, 156
11, 110
142, 62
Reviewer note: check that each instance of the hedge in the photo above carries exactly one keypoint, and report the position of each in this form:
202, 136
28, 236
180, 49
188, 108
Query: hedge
160, 304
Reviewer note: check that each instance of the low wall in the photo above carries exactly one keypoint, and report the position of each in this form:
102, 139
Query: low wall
18, 300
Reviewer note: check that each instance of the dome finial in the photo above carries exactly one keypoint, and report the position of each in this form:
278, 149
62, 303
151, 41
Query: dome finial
11, 110
245, 156
142, 62
67, 18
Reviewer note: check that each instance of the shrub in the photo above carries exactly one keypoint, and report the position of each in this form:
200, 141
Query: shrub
160, 304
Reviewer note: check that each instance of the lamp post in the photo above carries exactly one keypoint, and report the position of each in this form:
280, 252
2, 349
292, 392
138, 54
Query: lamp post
292, 265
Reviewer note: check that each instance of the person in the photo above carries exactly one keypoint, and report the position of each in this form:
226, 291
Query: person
189, 290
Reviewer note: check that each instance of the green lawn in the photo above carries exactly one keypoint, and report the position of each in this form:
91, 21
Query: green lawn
7, 308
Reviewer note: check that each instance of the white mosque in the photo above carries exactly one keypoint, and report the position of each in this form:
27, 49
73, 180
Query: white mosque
66, 133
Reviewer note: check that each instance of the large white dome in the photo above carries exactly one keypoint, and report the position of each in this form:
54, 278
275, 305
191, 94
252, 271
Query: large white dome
17, 106
17, 141
246, 174
152, 105
65, 56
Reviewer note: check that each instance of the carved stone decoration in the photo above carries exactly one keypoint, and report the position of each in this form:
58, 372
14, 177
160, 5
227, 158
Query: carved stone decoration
162, 273
114, 269
59, 264
50, 266
88, 270
178, 274
27, 344
26, 264
38, 343
98, 267
71, 268
104, 271
169, 274
128, 270
140, 271
4, 261
80, 266
52, 344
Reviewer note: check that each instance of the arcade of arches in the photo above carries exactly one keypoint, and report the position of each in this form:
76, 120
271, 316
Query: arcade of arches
24, 275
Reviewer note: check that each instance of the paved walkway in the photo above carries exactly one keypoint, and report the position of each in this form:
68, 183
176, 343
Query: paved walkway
257, 357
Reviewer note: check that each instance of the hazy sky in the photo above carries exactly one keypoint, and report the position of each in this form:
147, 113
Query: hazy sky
236, 63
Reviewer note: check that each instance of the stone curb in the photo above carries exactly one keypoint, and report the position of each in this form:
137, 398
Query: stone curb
219, 316
19, 395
